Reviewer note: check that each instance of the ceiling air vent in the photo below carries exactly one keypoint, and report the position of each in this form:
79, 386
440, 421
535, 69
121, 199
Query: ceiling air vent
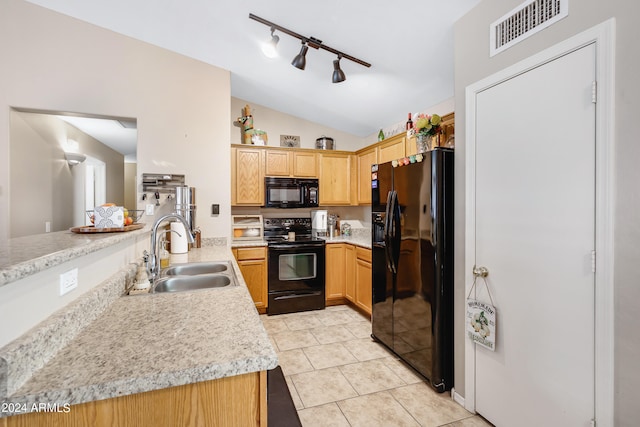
524, 21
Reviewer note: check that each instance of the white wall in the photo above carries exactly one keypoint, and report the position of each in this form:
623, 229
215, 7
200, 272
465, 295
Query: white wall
54, 62
472, 63
276, 123
45, 192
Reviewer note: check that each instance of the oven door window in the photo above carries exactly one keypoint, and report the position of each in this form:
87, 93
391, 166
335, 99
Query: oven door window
296, 266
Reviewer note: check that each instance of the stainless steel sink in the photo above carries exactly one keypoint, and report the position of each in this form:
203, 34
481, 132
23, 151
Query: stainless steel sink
194, 268
191, 283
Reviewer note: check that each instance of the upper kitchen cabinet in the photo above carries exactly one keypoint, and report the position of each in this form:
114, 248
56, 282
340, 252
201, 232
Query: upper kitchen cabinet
291, 163
305, 164
365, 158
277, 163
247, 176
335, 178
392, 148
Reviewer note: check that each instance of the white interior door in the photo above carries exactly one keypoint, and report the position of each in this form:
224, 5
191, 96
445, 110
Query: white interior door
534, 228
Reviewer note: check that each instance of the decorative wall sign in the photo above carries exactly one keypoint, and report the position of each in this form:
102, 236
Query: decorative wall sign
289, 141
481, 323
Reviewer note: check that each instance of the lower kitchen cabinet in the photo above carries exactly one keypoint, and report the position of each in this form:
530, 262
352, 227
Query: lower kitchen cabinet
335, 274
363, 279
253, 265
350, 279
348, 275
231, 401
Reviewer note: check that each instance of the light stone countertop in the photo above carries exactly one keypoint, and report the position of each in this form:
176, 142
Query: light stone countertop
23, 256
358, 240
148, 342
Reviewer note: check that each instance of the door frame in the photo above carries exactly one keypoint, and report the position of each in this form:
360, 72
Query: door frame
603, 35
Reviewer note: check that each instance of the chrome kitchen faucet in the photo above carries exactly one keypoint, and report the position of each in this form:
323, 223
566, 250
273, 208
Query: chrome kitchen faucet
153, 266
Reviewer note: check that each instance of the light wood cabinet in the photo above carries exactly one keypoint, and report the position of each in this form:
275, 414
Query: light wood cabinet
335, 273
344, 177
247, 176
363, 279
253, 265
350, 267
365, 159
335, 179
305, 164
291, 163
232, 401
277, 163
392, 149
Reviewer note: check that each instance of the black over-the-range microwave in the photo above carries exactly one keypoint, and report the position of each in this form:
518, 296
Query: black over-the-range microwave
291, 193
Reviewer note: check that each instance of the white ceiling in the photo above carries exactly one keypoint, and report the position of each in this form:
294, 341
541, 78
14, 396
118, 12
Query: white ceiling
408, 43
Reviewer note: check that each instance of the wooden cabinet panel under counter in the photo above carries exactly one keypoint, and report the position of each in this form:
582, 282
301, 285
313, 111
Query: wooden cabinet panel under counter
253, 266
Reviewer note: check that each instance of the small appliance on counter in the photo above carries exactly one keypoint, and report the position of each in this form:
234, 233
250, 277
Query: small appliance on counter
319, 223
247, 227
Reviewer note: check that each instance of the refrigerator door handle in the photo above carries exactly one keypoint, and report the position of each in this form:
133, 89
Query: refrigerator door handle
387, 229
395, 237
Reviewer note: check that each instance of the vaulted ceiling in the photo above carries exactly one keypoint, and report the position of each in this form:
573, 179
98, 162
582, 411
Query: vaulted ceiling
408, 43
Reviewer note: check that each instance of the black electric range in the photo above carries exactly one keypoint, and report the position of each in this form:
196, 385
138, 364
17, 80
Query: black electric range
296, 267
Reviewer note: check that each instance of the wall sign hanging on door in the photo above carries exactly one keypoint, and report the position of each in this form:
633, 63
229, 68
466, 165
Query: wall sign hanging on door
481, 317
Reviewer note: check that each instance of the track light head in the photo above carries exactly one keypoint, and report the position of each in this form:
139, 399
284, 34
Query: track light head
338, 74
300, 61
270, 48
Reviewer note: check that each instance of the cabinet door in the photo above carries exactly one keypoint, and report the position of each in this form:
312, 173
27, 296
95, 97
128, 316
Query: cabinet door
392, 150
365, 160
335, 272
255, 275
305, 165
253, 266
410, 147
335, 179
350, 279
277, 163
247, 183
363, 285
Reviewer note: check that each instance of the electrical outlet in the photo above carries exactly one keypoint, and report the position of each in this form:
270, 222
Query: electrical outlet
47, 226
149, 210
68, 281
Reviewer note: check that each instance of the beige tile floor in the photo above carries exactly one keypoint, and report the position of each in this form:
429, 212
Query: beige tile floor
338, 376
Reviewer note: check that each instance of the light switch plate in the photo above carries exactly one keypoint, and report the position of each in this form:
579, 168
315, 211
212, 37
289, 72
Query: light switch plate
68, 281
149, 209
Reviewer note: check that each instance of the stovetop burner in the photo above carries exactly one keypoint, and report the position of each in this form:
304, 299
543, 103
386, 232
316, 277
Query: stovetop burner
276, 231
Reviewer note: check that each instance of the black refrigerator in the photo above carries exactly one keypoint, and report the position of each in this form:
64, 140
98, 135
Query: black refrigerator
412, 262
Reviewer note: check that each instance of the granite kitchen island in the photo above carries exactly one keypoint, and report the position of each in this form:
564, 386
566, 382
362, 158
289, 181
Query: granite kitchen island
187, 358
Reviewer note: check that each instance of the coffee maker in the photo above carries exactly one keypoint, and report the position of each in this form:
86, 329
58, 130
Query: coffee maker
319, 223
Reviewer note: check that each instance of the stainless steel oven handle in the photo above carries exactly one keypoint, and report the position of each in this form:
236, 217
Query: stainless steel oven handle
296, 246
303, 294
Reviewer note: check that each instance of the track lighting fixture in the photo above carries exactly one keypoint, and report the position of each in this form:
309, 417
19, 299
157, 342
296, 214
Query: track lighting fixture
300, 60
270, 48
338, 74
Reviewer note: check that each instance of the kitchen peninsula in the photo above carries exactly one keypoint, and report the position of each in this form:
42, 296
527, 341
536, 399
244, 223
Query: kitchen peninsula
162, 359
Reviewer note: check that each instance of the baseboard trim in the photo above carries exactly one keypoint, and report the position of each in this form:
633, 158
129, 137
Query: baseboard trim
457, 398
